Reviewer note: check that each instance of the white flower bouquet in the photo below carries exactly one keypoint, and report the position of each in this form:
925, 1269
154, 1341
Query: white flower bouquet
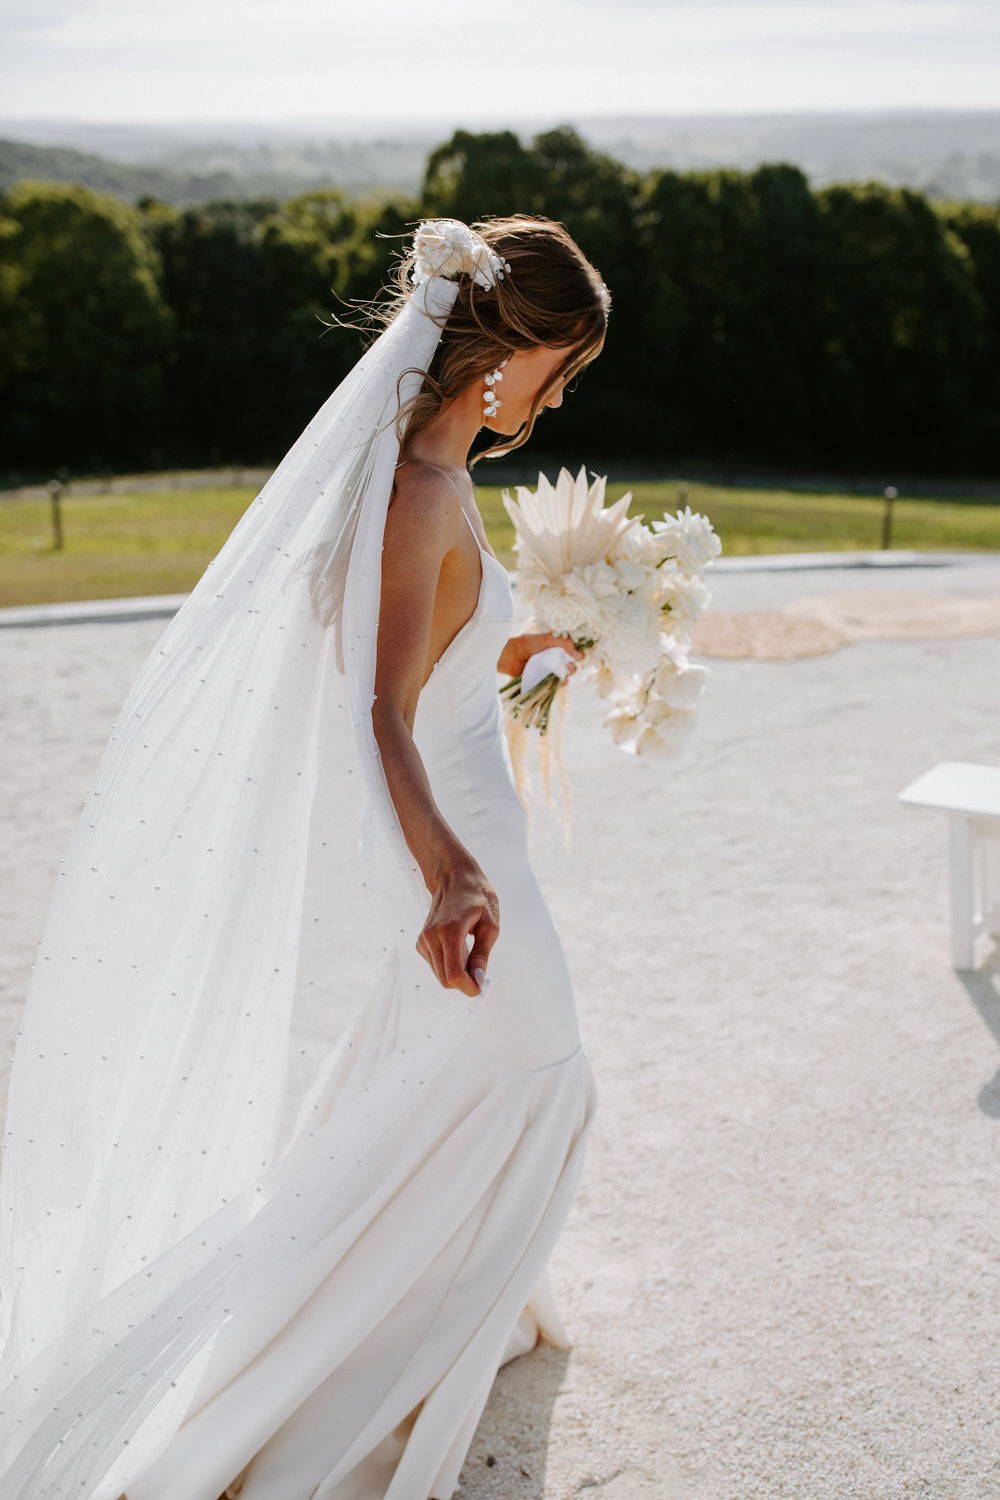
627, 594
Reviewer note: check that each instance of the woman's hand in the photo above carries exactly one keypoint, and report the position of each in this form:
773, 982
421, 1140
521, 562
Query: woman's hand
462, 901
517, 650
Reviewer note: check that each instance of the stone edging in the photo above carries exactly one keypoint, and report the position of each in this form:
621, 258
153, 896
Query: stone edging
162, 606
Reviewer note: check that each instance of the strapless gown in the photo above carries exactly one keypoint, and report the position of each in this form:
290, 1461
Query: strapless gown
370, 1384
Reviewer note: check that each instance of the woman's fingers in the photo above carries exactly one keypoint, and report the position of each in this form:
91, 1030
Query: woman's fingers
427, 952
463, 906
456, 975
444, 950
484, 935
568, 645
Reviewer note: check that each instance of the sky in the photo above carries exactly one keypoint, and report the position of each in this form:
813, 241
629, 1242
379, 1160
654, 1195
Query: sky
286, 61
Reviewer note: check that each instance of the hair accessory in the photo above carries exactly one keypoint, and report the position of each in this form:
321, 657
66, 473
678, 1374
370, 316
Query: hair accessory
447, 247
490, 398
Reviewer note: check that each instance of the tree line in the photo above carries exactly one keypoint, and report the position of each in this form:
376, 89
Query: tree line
756, 322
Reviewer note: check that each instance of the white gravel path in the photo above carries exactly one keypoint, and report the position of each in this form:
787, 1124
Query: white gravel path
781, 1273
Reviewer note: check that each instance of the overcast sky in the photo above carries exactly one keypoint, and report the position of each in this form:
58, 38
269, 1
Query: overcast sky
285, 60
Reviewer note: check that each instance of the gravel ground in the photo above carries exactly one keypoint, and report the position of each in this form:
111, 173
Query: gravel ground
780, 1273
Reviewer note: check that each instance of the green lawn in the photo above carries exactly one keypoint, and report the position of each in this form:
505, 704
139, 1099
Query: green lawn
159, 541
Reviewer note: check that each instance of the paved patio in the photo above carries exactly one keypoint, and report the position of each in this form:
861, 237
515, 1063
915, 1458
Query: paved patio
781, 1271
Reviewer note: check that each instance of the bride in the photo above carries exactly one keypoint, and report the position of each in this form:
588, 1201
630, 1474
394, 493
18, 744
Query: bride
177, 1321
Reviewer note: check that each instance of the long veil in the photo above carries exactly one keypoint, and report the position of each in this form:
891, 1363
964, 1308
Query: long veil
142, 1191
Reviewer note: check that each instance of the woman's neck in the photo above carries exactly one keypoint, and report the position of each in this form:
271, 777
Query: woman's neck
447, 439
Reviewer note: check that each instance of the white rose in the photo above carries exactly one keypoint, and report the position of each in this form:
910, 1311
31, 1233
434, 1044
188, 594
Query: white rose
687, 597
562, 613
632, 643
688, 536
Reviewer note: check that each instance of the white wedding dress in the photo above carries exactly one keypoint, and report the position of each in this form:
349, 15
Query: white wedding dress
365, 1377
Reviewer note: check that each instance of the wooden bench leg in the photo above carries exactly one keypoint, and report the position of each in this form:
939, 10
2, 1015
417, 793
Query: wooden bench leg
962, 890
988, 840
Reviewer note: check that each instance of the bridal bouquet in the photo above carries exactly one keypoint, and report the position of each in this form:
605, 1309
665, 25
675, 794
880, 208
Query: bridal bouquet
628, 595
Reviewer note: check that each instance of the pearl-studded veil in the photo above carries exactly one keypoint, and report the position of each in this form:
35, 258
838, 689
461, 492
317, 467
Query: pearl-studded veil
142, 1192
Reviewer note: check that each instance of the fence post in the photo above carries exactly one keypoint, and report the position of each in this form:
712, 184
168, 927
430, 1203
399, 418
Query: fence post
55, 493
890, 492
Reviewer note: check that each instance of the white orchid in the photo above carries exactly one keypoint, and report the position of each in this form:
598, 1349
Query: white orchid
679, 684
651, 744
624, 724
603, 679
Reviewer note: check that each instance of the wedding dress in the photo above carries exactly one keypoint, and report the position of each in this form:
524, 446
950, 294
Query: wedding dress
363, 1372
176, 1320
369, 1378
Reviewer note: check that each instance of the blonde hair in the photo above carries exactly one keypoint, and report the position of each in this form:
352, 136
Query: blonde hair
551, 296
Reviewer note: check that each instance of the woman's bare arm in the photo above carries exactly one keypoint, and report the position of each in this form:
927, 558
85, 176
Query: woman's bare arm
420, 531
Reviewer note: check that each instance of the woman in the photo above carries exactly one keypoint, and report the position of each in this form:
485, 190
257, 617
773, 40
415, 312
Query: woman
340, 1342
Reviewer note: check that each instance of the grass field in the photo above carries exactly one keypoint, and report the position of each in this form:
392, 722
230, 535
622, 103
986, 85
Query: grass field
159, 541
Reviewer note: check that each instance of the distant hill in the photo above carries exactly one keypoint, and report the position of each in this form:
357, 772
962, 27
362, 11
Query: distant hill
198, 173
944, 153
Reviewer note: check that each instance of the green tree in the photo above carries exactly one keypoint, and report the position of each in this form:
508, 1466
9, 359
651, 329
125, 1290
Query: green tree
470, 175
251, 287
904, 330
753, 321
977, 227
729, 338
85, 328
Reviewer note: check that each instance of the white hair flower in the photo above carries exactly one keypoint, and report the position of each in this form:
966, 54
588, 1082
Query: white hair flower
447, 247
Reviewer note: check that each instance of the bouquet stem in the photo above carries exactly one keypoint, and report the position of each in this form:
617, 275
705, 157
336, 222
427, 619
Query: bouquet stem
535, 706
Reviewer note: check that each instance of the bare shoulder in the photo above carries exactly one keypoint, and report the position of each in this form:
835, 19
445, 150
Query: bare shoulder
424, 509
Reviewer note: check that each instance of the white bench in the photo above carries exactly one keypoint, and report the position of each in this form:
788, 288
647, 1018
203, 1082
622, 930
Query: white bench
970, 794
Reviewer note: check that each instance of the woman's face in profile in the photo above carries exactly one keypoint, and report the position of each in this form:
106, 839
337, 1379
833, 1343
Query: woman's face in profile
524, 375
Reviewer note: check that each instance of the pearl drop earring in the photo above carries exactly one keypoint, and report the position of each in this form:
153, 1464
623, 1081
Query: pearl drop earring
490, 398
